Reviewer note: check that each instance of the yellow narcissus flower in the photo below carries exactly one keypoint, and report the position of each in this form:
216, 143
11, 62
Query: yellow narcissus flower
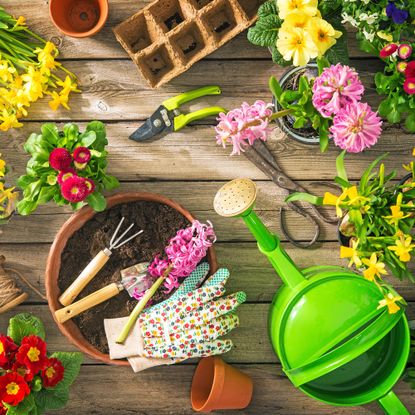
21, 21
352, 253
286, 7
297, 45
323, 34
390, 301
403, 247
34, 81
68, 85
396, 216
58, 100
9, 121
374, 268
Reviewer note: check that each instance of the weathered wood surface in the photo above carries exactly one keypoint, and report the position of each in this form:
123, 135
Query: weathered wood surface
189, 167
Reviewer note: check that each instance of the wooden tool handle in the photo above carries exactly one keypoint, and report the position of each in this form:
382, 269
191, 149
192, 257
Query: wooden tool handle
98, 297
85, 277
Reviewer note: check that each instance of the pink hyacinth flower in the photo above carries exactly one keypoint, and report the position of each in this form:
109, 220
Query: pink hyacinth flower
337, 87
356, 127
242, 126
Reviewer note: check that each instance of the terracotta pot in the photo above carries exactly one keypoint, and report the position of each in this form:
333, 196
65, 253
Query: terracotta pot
217, 385
79, 18
75, 222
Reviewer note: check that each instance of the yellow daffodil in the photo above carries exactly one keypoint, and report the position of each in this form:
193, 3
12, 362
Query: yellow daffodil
396, 216
385, 36
21, 21
68, 85
286, 7
374, 268
34, 82
8, 121
333, 200
296, 19
352, 253
297, 45
323, 34
46, 56
403, 247
2, 167
390, 301
58, 100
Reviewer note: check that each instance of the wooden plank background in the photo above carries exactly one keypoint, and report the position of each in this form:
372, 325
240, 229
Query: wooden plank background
189, 167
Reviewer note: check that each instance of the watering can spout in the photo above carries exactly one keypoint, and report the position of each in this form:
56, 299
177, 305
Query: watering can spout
236, 199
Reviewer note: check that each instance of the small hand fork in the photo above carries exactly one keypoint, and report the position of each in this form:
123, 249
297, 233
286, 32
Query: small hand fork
96, 265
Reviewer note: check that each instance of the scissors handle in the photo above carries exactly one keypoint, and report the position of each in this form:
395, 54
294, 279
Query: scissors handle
175, 102
183, 119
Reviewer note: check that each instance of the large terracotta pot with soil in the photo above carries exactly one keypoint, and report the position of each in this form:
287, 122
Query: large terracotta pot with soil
290, 81
84, 235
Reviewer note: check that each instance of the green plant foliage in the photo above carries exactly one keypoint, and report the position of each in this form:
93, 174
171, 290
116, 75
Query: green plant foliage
40, 186
23, 325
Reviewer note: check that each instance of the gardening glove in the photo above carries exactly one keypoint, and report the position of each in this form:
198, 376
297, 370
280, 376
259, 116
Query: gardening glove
186, 325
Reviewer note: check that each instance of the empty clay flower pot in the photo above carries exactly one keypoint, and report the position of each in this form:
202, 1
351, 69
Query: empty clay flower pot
217, 385
73, 224
79, 18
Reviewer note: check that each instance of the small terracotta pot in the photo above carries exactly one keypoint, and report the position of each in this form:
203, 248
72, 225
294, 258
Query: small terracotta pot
75, 222
79, 18
217, 385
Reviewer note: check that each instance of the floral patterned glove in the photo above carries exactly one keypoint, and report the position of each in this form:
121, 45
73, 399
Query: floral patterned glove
186, 325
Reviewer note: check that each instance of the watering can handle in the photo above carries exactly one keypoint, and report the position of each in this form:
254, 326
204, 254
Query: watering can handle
391, 404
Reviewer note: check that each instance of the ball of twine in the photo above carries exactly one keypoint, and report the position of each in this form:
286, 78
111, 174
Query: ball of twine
10, 293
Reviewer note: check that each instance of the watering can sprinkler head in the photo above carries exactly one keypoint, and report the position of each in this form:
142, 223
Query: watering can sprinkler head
235, 198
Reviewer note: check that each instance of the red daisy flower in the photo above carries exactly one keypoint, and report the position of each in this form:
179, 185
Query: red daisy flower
409, 86
13, 388
410, 70
81, 155
401, 66
60, 159
75, 189
32, 353
405, 51
388, 50
65, 174
7, 352
23, 371
52, 374
91, 185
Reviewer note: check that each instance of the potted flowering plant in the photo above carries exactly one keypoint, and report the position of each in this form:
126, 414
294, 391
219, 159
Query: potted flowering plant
299, 31
68, 167
8, 196
33, 381
29, 71
377, 223
329, 104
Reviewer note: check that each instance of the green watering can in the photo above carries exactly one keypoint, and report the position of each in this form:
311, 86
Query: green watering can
332, 341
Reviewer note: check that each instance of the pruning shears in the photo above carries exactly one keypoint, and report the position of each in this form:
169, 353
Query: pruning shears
168, 117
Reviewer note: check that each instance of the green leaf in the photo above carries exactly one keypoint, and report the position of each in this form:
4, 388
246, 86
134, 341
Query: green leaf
71, 132
25, 324
99, 128
46, 193
26, 207
341, 171
24, 181
322, 63
299, 122
23, 408
366, 174
30, 143
304, 197
47, 399
88, 138
110, 182
265, 32
410, 122
267, 8
97, 201
50, 133
275, 87
32, 190
324, 134
72, 363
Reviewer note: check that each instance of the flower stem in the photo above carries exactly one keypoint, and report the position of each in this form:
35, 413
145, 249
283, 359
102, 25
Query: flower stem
280, 114
140, 306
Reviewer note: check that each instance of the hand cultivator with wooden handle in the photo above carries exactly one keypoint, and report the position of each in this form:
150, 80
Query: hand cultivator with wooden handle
96, 265
334, 341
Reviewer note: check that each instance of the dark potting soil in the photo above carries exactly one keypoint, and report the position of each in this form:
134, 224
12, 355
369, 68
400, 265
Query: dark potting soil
159, 222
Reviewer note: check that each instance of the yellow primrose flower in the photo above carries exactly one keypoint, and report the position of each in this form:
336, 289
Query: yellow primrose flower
297, 45
385, 36
57, 100
8, 121
396, 216
296, 19
403, 247
323, 34
390, 302
286, 7
374, 268
352, 253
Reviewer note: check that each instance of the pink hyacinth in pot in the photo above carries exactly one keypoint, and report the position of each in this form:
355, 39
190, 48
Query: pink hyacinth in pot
337, 86
356, 127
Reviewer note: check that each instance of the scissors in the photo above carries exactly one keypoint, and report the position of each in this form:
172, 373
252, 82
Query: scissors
168, 118
261, 156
